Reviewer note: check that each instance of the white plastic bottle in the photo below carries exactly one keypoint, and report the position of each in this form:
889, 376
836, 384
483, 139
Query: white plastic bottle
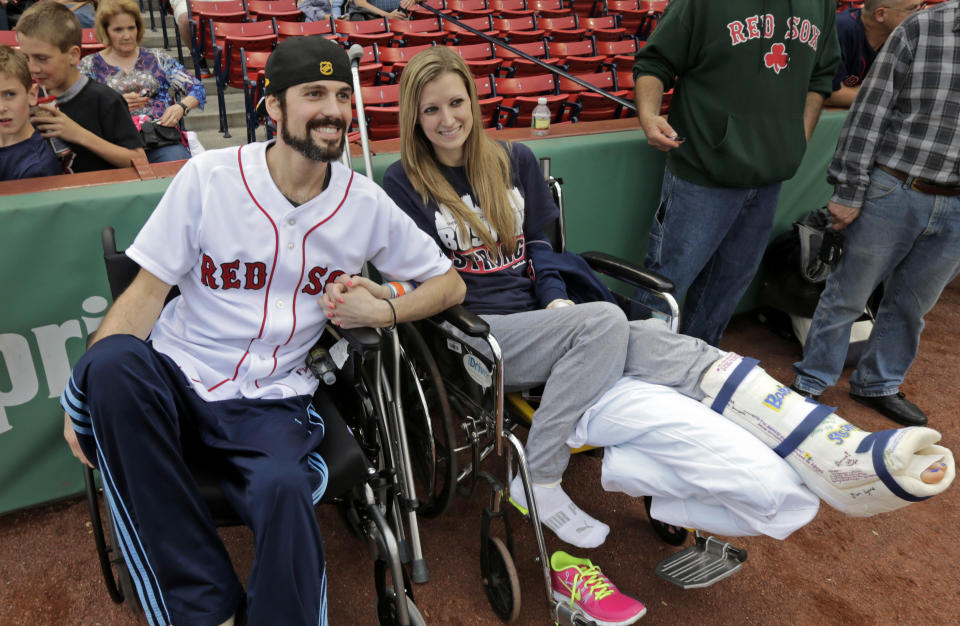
540, 122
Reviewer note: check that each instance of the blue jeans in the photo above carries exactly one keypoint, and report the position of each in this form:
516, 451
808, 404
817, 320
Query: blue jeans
912, 241
709, 242
175, 152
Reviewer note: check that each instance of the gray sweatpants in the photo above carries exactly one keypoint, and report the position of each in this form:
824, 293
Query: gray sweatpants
579, 352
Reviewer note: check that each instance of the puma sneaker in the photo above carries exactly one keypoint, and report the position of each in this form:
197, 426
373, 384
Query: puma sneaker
580, 583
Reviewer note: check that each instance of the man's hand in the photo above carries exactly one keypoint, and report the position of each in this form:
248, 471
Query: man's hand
172, 116
354, 301
51, 122
71, 436
406, 4
135, 100
659, 133
842, 215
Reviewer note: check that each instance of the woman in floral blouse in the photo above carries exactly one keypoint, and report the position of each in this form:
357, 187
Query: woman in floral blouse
143, 76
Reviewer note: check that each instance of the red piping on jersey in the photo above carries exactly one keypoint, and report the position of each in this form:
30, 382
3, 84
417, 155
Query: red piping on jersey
303, 257
303, 265
273, 267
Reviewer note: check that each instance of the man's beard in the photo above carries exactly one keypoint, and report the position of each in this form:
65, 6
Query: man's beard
307, 147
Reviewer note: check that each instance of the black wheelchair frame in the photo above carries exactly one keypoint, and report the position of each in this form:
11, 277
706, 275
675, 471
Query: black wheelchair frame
360, 470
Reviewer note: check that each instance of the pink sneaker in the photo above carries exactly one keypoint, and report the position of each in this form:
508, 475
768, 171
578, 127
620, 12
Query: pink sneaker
579, 582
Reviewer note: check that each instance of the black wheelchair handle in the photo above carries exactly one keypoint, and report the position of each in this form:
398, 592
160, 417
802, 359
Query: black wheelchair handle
463, 320
627, 272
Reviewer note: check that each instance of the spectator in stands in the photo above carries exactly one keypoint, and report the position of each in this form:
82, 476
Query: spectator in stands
83, 9
861, 32
23, 152
92, 118
897, 197
144, 77
316, 10
748, 90
369, 9
10, 11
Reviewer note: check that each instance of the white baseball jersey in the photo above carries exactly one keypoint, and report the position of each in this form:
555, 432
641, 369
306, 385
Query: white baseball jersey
251, 268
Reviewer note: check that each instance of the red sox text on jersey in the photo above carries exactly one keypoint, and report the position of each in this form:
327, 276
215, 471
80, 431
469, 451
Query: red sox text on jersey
254, 274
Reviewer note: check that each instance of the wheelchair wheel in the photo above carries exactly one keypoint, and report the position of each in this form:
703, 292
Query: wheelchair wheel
387, 598
124, 580
430, 431
116, 576
500, 579
674, 535
387, 611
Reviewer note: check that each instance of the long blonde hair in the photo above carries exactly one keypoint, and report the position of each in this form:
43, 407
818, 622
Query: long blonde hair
486, 162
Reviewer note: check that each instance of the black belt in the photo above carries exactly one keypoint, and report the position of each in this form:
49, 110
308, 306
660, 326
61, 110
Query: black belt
921, 185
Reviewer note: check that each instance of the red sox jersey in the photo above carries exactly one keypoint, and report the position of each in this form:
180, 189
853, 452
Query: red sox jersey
251, 268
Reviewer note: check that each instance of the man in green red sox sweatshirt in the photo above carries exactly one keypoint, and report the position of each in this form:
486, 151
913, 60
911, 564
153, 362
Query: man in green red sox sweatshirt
749, 80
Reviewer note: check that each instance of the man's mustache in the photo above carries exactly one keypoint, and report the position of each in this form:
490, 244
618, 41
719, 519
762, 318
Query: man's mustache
326, 121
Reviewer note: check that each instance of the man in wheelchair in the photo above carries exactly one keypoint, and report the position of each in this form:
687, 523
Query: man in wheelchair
249, 235
651, 397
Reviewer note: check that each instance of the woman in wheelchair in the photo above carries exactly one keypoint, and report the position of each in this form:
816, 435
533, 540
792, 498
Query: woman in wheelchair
633, 387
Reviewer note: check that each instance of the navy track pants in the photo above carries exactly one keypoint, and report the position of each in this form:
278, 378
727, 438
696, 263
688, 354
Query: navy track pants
134, 411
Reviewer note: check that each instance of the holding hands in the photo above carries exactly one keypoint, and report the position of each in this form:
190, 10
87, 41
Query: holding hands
353, 301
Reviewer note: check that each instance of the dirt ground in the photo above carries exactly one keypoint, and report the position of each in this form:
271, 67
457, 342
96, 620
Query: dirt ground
900, 567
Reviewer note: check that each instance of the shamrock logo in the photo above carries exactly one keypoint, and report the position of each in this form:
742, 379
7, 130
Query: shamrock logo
777, 58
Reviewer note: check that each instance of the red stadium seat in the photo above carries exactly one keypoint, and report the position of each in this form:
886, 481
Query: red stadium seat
620, 53
252, 65
566, 28
417, 32
483, 24
394, 60
510, 8
489, 102
515, 65
200, 14
594, 106
296, 29
604, 28
279, 9
469, 8
519, 29
521, 94
89, 42
364, 32
479, 58
579, 56
231, 40
549, 8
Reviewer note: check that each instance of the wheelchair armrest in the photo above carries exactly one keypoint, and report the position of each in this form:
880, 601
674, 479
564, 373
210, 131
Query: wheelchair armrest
463, 320
363, 340
627, 272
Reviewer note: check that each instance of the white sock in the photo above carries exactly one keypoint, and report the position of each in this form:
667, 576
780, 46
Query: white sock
558, 513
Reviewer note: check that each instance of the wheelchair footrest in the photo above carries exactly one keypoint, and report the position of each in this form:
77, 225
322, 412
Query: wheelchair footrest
565, 615
708, 561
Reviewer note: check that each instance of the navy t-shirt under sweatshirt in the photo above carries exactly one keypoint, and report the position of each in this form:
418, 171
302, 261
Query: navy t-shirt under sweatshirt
857, 55
495, 284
